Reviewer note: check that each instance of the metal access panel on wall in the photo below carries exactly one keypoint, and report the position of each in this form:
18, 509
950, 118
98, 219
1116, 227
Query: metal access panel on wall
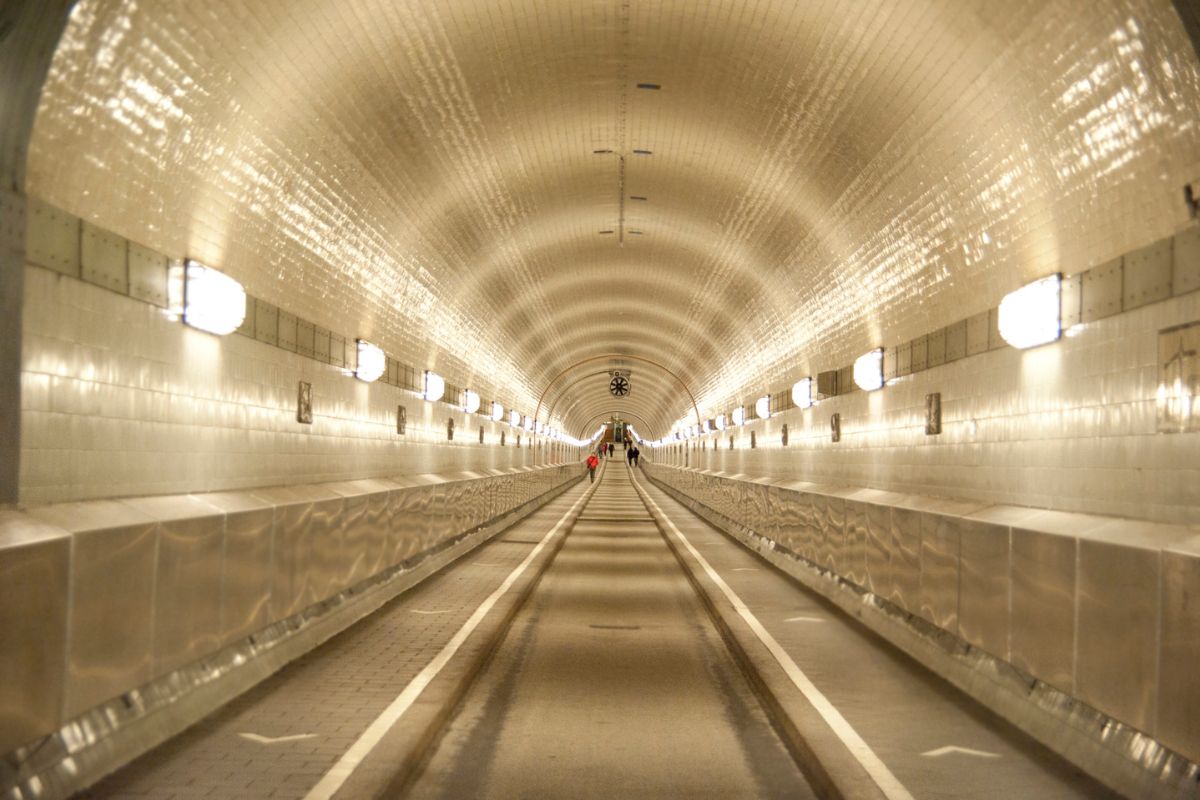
1185, 259
1179, 379
104, 259
1102, 290
147, 275
52, 238
1147, 275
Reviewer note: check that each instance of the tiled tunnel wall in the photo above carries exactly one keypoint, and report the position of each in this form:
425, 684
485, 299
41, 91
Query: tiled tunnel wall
119, 400
1069, 426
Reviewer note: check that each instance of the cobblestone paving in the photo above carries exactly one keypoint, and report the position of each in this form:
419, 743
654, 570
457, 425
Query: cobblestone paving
331, 694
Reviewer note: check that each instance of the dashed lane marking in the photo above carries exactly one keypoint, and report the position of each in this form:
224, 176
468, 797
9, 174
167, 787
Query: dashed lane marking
888, 783
419, 611
345, 766
804, 619
966, 751
254, 737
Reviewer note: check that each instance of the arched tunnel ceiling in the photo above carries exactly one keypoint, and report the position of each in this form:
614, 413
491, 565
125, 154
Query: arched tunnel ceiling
824, 176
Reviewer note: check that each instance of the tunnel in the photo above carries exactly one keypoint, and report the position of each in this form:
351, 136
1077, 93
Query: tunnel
599, 398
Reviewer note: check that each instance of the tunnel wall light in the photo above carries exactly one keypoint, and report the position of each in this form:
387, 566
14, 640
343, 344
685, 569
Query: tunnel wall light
720, 422
205, 298
868, 370
514, 418
371, 362
1032, 315
762, 407
739, 415
497, 412
470, 401
802, 393
435, 386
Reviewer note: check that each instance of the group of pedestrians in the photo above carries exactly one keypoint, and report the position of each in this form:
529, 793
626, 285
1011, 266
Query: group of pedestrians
605, 450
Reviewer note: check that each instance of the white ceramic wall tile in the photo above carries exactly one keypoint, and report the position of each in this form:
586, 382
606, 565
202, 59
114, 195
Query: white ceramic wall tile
134, 403
1068, 426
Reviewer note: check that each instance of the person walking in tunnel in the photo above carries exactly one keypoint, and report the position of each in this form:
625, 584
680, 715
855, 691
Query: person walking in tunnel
629, 454
592, 463
634, 452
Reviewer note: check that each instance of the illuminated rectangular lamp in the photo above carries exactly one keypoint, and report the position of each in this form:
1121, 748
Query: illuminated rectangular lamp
205, 298
528, 423
471, 401
435, 386
514, 418
868, 370
371, 362
720, 422
1032, 315
739, 415
762, 407
802, 393
497, 412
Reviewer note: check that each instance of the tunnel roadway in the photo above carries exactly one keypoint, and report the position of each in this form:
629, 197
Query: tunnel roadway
596, 672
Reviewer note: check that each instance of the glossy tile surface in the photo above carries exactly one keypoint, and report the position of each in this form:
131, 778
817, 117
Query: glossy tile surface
833, 174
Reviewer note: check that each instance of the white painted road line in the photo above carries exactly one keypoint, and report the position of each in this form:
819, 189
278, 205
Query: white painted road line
883, 777
804, 619
254, 737
341, 771
418, 611
966, 751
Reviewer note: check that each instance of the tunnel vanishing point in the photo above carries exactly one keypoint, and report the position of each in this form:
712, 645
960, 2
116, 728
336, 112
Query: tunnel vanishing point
311, 312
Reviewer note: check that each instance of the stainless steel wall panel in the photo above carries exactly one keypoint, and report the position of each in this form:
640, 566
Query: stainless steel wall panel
879, 549
111, 611
757, 508
939, 570
331, 560
187, 593
1179, 674
34, 569
364, 527
812, 512
780, 506
1116, 656
855, 547
1042, 638
831, 532
906, 558
420, 523
983, 592
378, 533
247, 568
292, 552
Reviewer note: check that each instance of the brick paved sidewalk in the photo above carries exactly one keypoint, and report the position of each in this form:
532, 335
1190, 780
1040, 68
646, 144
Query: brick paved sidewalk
330, 695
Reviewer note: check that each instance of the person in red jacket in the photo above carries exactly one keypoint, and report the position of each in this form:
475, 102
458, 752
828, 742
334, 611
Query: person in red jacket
592, 463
